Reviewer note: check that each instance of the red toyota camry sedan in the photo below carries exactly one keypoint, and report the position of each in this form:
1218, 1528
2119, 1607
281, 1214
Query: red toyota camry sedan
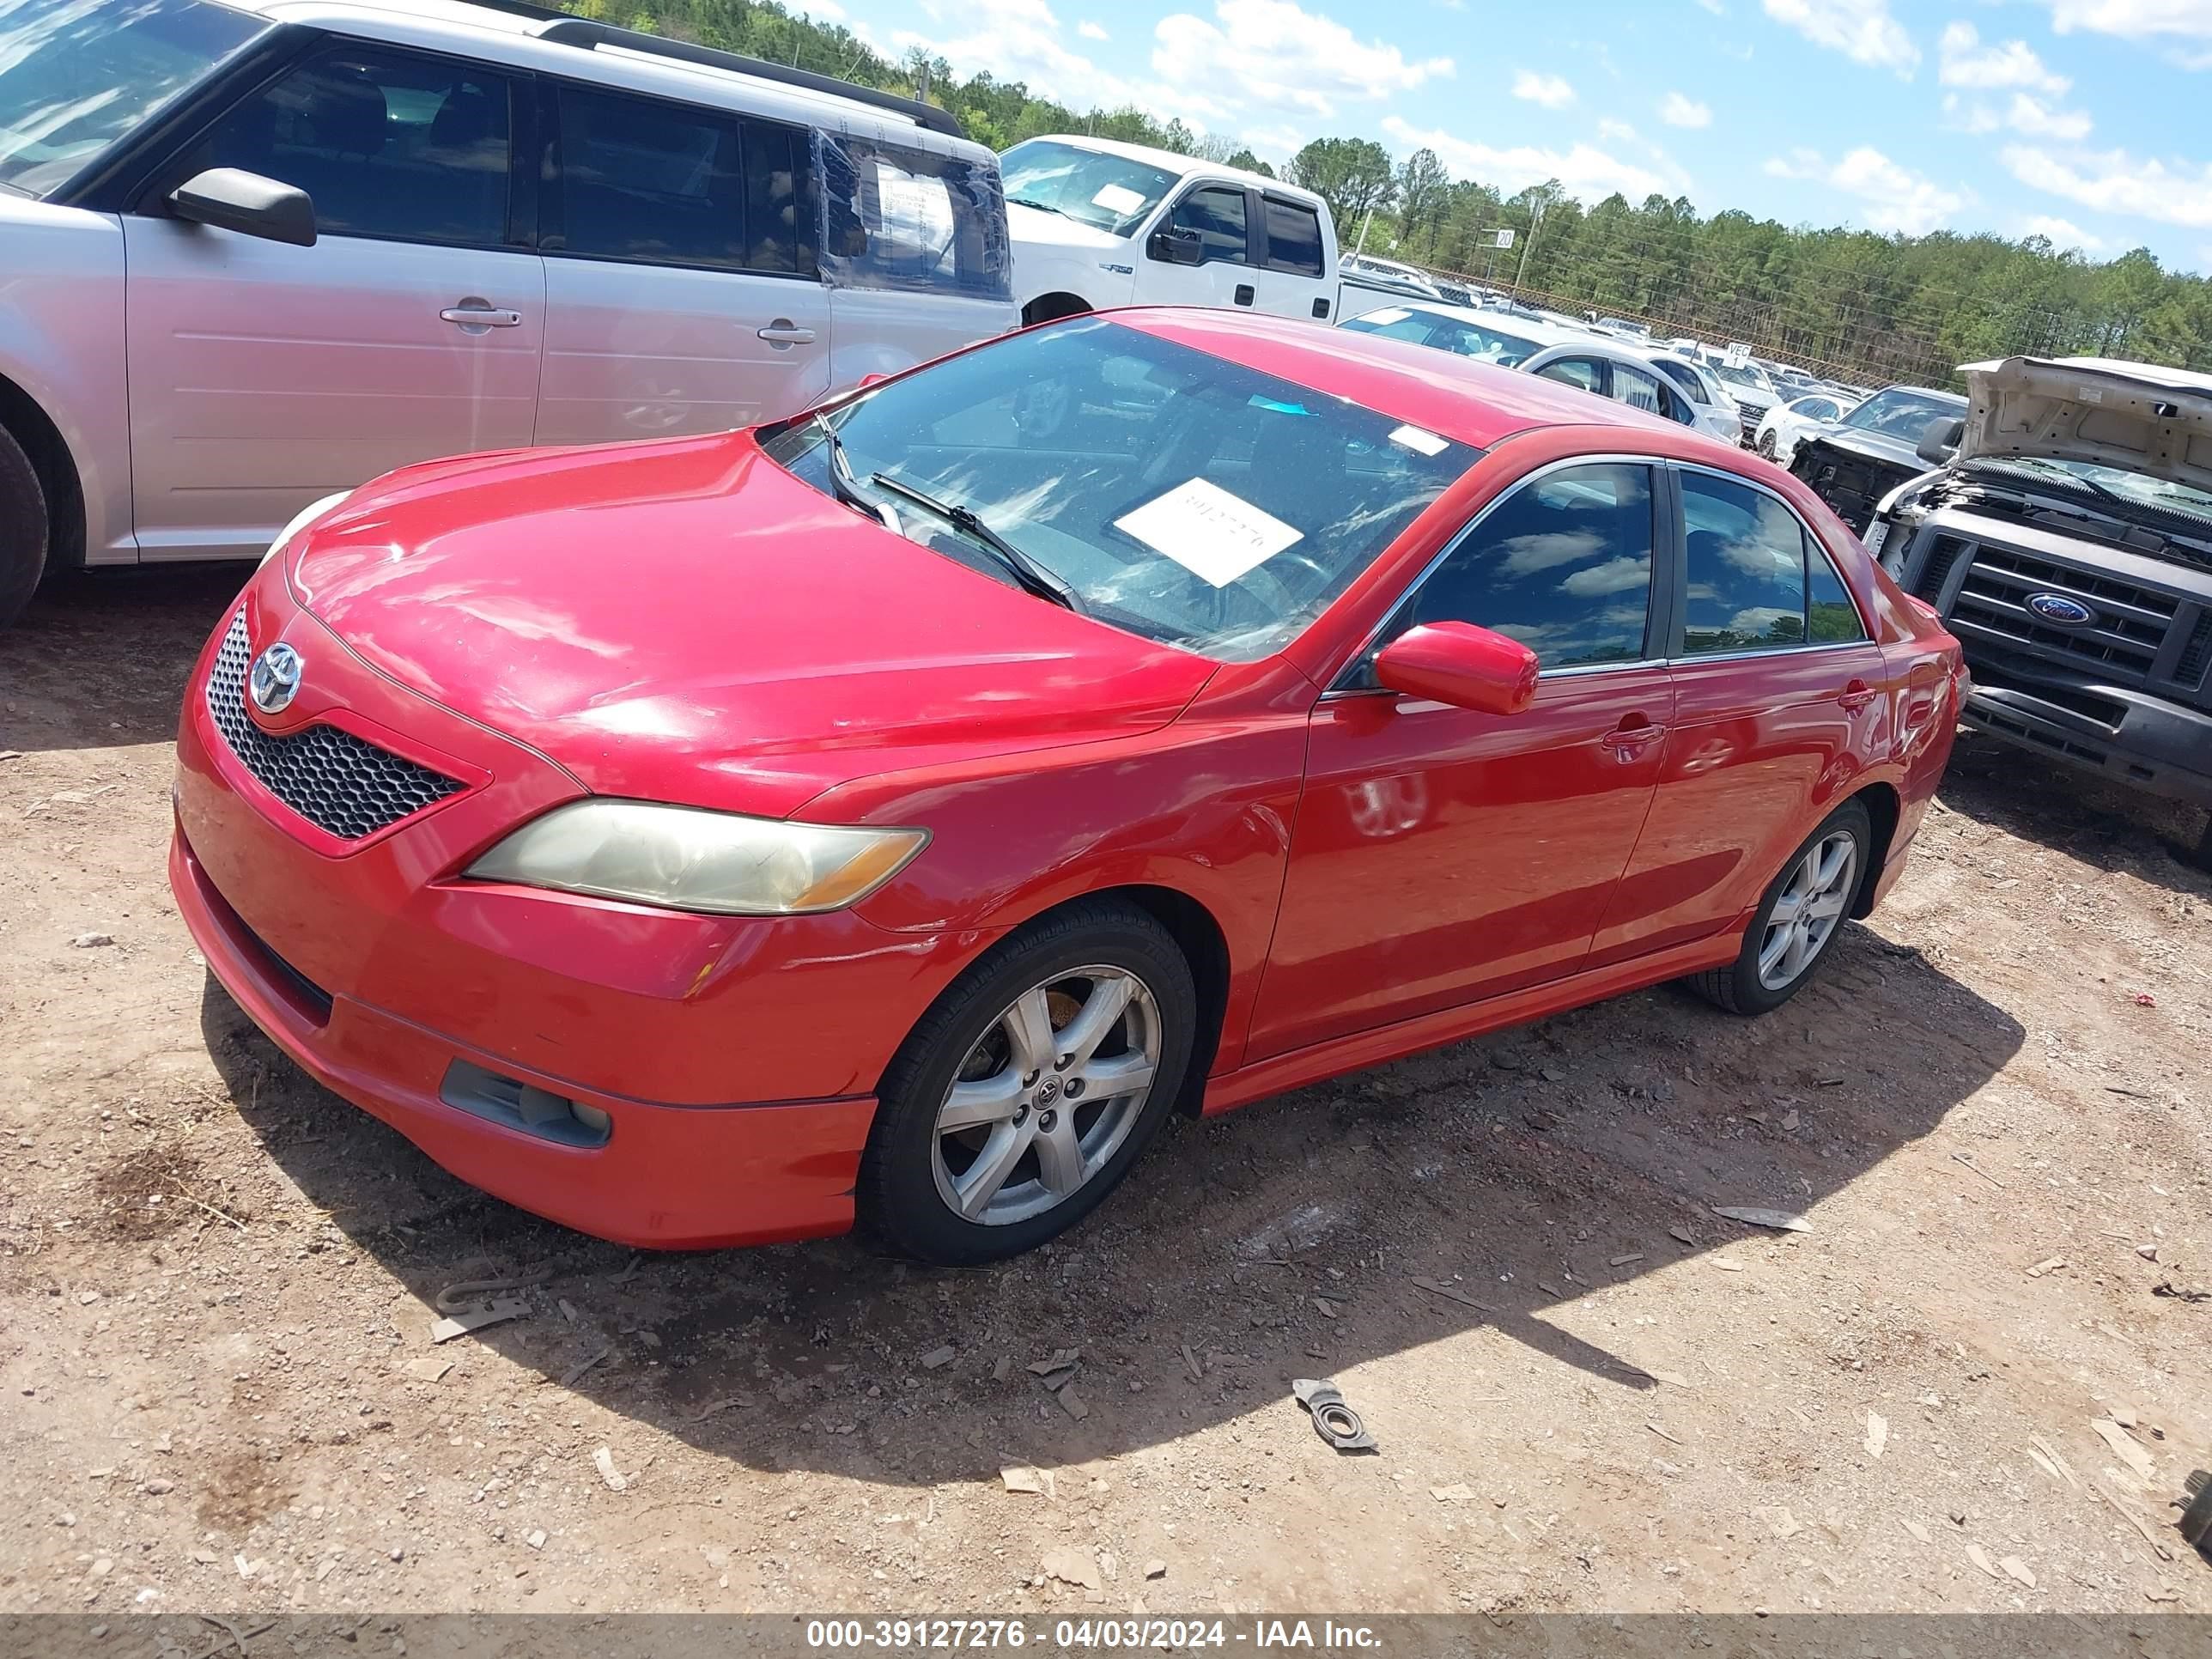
896, 811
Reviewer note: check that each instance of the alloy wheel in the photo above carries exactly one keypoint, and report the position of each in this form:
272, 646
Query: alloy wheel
1809, 909
1046, 1096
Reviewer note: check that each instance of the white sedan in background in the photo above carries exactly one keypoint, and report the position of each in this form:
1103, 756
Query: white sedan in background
1786, 423
1605, 368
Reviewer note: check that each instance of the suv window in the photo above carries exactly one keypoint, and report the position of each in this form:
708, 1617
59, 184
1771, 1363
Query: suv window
1582, 372
1293, 238
671, 184
1217, 214
1638, 389
898, 217
1745, 568
1563, 565
387, 143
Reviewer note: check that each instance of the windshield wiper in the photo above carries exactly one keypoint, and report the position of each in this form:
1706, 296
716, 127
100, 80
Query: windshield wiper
840, 473
1031, 575
1041, 207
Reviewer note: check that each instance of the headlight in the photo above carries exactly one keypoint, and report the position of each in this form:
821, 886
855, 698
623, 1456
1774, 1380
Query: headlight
685, 859
306, 516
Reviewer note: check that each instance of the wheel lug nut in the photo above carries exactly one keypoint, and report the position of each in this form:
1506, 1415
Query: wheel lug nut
1029, 1079
1063, 1062
1045, 1121
1074, 1087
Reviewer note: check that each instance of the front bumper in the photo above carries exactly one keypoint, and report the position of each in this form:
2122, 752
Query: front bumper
734, 1059
2137, 741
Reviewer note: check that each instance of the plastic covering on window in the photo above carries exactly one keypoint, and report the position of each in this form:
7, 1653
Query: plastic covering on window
898, 217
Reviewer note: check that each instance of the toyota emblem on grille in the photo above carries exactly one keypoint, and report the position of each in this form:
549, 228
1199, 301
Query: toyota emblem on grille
2058, 608
275, 678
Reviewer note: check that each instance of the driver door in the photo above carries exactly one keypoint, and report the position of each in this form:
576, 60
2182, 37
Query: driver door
1443, 855
1220, 216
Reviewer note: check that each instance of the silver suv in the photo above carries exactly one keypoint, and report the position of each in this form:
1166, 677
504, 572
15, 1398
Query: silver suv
253, 253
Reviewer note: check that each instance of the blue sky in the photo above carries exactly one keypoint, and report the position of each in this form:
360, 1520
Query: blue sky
2081, 120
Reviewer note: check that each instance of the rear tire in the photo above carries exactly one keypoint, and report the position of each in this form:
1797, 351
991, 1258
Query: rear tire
1767, 444
2202, 858
1048, 1123
24, 528
1803, 910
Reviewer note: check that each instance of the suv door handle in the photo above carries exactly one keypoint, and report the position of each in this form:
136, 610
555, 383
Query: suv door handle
1856, 695
783, 334
480, 316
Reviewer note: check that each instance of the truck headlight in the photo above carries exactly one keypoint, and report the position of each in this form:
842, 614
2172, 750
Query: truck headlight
683, 857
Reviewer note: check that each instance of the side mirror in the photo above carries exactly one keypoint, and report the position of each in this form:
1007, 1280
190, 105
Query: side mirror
230, 198
1939, 442
1176, 247
1458, 663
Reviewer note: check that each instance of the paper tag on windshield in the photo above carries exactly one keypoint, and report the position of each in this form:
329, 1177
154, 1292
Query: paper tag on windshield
1414, 437
1385, 317
1208, 531
1118, 199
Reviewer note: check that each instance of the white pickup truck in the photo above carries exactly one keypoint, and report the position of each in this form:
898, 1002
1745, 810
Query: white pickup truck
1096, 223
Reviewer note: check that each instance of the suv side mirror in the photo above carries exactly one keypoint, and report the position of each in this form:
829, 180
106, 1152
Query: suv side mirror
1939, 442
1460, 664
231, 198
1176, 247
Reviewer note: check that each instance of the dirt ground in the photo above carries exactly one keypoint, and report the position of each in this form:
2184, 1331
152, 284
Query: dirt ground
216, 1285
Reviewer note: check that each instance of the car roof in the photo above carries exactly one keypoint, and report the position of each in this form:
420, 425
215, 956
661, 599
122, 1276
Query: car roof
1542, 332
513, 33
1176, 163
1472, 403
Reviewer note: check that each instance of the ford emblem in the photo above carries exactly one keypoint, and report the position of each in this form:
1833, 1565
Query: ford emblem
2059, 609
275, 678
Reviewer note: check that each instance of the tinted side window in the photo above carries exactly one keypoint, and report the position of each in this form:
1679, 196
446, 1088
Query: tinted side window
385, 144
1217, 216
1834, 616
1563, 565
1576, 372
1745, 568
778, 198
639, 179
1293, 238
1637, 389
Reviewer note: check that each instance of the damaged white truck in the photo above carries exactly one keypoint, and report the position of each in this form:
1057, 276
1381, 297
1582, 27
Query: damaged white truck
2067, 540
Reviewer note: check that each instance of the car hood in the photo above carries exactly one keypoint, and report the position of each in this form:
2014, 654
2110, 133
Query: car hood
2138, 417
685, 621
1872, 446
1037, 228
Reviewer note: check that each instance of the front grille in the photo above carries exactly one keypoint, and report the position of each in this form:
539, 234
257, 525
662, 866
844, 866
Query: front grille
342, 784
2198, 652
2131, 623
1943, 558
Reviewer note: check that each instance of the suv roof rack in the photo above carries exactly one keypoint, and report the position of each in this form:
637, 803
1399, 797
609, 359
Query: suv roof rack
564, 28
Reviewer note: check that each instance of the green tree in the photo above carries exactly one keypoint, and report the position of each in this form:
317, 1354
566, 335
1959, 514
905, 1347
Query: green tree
1353, 175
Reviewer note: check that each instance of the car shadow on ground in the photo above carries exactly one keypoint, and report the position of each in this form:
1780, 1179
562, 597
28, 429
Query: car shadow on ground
2105, 824
1517, 1172
65, 684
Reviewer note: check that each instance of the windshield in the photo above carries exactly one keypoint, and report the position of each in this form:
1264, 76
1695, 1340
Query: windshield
1175, 495
1102, 191
1465, 337
78, 75
2138, 487
1747, 376
1900, 414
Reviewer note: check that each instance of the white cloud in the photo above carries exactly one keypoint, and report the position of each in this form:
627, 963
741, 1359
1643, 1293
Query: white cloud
1023, 40
1090, 31
2133, 20
2060, 233
2029, 115
1716, 7
1551, 91
1962, 117
2114, 181
1966, 62
1616, 129
1587, 172
1676, 111
1862, 30
822, 11
1896, 197
1271, 54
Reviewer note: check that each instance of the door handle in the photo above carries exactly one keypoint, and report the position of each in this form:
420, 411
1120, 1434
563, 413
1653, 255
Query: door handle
783, 334
1856, 695
1635, 732
476, 317
1243, 294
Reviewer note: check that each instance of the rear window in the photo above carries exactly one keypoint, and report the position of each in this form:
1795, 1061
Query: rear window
77, 75
898, 217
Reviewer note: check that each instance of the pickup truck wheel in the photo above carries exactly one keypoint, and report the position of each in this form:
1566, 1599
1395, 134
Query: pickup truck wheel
2202, 858
1021, 1099
22, 528
1797, 922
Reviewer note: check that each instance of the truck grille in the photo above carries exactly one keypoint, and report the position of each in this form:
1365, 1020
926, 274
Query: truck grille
2131, 620
343, 784
2196, 655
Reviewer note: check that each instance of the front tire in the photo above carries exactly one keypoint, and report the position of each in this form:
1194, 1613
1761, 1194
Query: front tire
1803, 911
24, 528
1767, 444
1023, 1096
